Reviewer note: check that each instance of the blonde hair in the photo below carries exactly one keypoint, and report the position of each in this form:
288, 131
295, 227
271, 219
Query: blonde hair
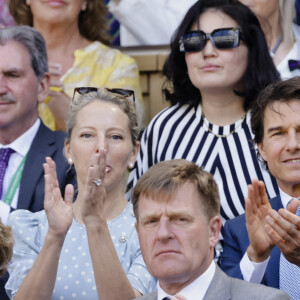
6, 247
126, 105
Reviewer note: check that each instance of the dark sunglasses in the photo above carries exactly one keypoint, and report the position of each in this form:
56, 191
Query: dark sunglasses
223, 38
122, 92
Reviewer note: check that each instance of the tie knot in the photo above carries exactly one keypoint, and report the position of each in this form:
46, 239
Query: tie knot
5, 154
294, 64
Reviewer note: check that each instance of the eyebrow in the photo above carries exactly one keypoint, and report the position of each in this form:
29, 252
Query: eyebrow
13, 70
271, 129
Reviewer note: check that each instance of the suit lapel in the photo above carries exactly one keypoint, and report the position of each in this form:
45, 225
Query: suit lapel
220, 285
43, 145
272, 271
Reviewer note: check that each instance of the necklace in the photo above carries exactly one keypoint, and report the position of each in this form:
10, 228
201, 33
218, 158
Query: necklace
224, 135
272, 52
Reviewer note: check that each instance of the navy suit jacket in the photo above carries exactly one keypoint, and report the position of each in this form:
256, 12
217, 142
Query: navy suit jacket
31, 194
236, 242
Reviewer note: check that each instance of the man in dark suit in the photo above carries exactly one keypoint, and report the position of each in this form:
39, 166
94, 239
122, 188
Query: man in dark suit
177, 208
260, 244
24, 140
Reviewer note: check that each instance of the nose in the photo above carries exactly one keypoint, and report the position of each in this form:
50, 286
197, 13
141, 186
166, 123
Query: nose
293, 142
209, 49
102, 142
164, 231
3, 86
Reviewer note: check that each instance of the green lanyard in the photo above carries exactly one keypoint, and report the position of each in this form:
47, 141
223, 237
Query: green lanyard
14, 185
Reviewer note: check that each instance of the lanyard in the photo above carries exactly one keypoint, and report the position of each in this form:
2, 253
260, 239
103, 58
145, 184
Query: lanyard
15, 183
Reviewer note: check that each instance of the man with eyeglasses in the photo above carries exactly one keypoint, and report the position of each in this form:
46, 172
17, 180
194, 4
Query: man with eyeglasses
24, 140
269, 252
177, 209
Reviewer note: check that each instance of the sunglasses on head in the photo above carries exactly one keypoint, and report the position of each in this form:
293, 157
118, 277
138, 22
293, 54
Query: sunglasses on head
223, 38
122, 92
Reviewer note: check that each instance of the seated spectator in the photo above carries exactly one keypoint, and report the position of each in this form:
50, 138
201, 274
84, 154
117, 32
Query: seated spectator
219, 62
144, 22
75, 34
89, 249
24, 140
283, 36
271, 254
6, 247
177, 208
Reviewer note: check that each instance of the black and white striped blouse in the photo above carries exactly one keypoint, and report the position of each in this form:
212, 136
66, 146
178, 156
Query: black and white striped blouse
183, 132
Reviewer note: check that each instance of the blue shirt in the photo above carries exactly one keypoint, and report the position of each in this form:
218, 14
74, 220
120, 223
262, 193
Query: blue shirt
75, 275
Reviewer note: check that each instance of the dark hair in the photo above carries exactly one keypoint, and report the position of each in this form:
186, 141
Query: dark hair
283, 92
260, 71
163, 179
92, 22
33, 41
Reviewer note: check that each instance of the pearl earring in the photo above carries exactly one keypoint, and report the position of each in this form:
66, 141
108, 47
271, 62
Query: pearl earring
131, 165
27, 2
70, 161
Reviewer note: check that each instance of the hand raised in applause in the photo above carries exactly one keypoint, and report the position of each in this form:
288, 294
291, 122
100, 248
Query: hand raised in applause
59, 211
257, 207
283, 229
94, 195
58, 101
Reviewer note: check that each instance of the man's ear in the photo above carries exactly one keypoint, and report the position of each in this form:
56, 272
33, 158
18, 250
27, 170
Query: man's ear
261, 150
43, 88
215, 225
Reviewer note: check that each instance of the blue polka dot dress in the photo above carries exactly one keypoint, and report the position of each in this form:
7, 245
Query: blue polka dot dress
75, 275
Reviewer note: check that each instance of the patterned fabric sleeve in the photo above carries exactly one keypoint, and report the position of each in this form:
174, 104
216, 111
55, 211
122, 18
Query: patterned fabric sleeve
26, 228
138, 275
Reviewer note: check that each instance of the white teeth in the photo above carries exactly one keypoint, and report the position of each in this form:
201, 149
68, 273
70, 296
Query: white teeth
294, 160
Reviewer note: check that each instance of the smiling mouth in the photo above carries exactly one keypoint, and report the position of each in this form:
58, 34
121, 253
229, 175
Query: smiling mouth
294, 160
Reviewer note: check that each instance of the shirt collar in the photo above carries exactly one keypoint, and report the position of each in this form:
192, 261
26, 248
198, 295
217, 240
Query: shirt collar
22, 144
285, 198
195, 290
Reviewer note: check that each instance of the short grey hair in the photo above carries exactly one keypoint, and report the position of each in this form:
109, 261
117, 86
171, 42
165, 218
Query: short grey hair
33, 41
126, 105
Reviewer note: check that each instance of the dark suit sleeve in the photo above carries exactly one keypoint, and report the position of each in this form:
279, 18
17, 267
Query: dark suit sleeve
236, 243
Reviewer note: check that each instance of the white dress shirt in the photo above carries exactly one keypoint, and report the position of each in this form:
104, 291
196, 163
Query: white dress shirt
252, 271
21, 146
195, 290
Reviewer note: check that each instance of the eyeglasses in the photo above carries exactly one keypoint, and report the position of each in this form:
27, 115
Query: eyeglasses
223, 38
122, 92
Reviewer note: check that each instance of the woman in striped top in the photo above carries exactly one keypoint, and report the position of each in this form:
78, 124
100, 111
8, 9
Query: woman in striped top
218, 64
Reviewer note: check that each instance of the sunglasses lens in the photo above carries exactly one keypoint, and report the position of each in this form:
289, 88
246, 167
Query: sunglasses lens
226, 38
123, 92
85, 90
193, 41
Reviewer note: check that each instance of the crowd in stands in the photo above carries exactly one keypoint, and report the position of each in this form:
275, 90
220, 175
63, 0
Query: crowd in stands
203, 202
